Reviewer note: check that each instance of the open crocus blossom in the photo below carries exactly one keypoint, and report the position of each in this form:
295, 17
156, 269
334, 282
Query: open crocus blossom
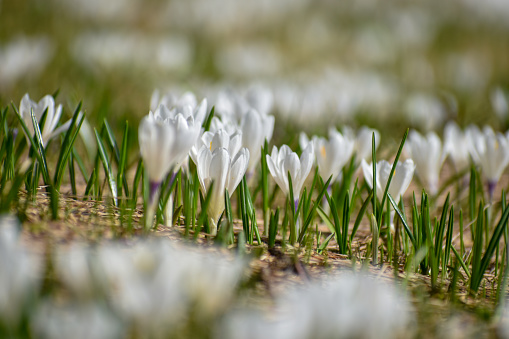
427, 153
491, 151
332, 154
225, 170
256, 128
457, 146
46, 104
399, 183
284, 161
221, 138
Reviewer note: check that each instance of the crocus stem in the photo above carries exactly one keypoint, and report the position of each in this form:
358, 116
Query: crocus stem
168, 211
491, 189
212, 226
153, 199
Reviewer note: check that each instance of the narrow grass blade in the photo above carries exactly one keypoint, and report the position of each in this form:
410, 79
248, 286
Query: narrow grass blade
488, 254
107, 168
317, 202
273, 226
403, 221
360, 215
391, 175
208, 121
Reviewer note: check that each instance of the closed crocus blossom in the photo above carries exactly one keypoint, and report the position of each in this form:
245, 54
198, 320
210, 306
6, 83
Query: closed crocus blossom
256, 128
226, 171
457, 146
156, 139
332, 154
491, 151
284, 160
164, 144
363, 141
47, 103
399, 183
427, 153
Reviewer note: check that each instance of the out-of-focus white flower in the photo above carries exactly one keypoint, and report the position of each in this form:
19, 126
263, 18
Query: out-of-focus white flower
261, 98
363, 141
332, 154
457, 146
23, 57
425, 111
46, 104
20, 272
170, 105
491, 151
284, 161
350, 306
499, 103
225, 170
256, 128
156, 287
399, 183
428, 155
79, 321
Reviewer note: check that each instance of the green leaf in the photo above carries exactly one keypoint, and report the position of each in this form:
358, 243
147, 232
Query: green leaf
107, 168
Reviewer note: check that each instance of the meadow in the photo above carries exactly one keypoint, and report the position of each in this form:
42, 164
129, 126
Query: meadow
217, 169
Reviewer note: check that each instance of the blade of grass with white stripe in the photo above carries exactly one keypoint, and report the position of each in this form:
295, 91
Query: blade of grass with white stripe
121, 180
265, 189
311, 214
488, 254
273, 226
391, 175
208, 121
121, 175
107, 168
68, 145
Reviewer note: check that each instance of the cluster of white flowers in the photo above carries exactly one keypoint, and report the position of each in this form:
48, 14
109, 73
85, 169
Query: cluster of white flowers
172, 133
349, 306
487, 149
150, 287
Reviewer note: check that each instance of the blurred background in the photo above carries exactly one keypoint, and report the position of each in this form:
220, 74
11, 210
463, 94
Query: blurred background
390, 64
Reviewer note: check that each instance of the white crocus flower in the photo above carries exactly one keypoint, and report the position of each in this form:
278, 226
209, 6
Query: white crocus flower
226, 171
164, 144
304, 141
198, 112
427, 153
457, 146
282, 161
47, 103
500, 104
363, 141
20, 272
221, 138
256, 128
171, 99
491, 151
332, 154
399, 183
